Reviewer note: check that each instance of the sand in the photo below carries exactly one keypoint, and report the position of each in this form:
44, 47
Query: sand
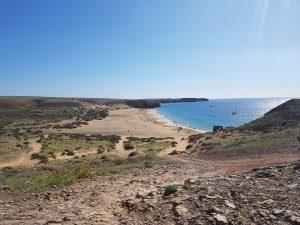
133, 122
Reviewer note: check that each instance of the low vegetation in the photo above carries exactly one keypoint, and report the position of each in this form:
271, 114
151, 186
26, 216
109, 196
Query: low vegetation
240, 218
46, 112
12, 145
62, 172
148, 144
69, 144
24, 111
43, 158
244, 144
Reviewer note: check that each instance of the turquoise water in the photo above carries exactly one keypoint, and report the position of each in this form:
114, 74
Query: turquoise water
204, 115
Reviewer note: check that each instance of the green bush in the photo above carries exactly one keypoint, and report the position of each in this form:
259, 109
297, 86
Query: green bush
35, 156
128, 145
84, 172
173, 144
107, 171
43, 158
150, 155
240, 218
57, 178
188, 147
187, 186
69, 152
194, 138
170, 189
148, 165
104, 157
114, 170
131, 154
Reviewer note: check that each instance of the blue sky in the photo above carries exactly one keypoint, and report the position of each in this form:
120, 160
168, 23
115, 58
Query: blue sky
149, 49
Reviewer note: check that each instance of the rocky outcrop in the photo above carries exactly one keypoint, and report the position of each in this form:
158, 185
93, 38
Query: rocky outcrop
142, 103
218, 128
154, 103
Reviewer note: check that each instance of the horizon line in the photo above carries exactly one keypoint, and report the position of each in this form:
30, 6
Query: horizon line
62, 97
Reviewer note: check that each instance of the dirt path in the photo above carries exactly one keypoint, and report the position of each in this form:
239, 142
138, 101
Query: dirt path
120, 151
25, 158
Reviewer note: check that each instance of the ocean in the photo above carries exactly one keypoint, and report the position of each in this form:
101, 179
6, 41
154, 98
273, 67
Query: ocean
204, 115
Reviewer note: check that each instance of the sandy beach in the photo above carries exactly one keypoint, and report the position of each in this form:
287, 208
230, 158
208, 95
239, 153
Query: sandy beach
134, 122
169, 122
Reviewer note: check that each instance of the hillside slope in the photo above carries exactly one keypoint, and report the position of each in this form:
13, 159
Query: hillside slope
284, 116
276, 133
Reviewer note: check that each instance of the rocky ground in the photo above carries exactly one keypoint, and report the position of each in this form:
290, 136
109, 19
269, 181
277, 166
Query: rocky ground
268, 195
93, 201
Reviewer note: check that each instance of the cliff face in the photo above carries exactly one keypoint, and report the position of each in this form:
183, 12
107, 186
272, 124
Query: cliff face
177, 100
284, 116
143, 103
154, 103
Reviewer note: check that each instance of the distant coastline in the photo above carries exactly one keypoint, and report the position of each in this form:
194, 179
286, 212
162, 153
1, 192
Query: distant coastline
155, 103
134, 103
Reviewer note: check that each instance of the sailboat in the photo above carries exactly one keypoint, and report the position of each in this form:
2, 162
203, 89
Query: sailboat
235, 112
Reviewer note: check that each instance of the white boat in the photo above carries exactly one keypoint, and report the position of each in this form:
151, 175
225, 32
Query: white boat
235, 112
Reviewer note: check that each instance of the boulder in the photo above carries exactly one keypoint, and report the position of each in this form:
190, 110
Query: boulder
297, 165
174, 152
220, 219
218, 128
181, 211
129, 204
190, 181
294, 220
230, 204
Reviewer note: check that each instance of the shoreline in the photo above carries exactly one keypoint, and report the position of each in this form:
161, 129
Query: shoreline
168, 122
